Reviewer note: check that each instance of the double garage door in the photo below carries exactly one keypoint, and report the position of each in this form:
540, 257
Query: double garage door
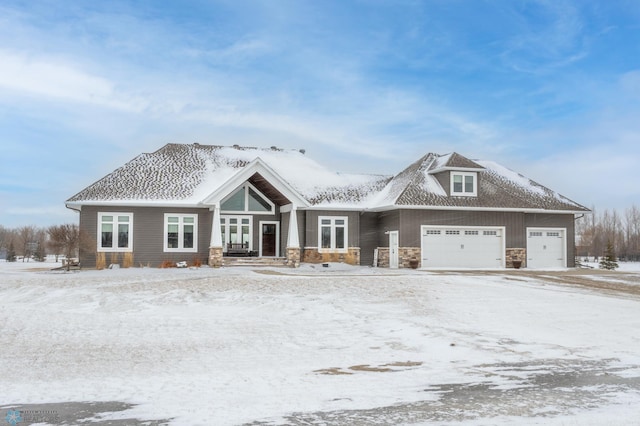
484, 247
462, 247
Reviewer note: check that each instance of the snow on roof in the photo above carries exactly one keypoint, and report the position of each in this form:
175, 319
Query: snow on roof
186, 174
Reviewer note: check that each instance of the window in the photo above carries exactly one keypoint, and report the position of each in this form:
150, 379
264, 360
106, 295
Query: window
115, 231
332, 234
237, 230
180, 232
247, 199
452, 232
464, 184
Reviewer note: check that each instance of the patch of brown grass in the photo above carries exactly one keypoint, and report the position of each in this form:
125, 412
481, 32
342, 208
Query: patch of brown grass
101, 261
127, 260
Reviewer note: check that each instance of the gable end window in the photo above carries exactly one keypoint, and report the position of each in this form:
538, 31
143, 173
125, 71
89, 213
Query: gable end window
115, 231
180, 232
464, 184
247, 199
332, 234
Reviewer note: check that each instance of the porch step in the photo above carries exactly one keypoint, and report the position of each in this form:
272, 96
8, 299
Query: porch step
253, 261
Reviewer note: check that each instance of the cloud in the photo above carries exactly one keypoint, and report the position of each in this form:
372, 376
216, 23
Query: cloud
51, 78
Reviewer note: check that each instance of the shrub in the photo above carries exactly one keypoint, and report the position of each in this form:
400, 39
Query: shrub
168, 264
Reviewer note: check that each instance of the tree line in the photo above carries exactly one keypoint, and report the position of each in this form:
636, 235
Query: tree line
31, 242
596, 230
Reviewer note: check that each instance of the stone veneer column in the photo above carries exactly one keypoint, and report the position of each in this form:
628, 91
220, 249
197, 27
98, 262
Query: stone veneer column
293, 257
516, 254
215, 257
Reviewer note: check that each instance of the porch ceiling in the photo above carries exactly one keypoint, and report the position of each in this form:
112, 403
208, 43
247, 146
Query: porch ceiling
268, 190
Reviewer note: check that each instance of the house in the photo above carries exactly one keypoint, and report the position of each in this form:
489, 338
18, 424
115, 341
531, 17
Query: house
192, 202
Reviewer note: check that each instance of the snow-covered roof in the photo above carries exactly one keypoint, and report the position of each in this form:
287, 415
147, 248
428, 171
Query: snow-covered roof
187, 174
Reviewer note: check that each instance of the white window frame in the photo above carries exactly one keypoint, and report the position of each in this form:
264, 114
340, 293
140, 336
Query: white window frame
180, 248
333, 226
226, 225
245, 187
114, 241
463, 193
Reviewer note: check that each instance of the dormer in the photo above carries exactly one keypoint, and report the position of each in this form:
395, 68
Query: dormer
458, 175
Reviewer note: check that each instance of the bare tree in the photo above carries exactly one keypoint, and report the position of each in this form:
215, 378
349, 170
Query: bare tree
26, 243
69, 239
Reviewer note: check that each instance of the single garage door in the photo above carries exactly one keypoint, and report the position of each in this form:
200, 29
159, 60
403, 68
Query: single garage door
462, 247
546, 248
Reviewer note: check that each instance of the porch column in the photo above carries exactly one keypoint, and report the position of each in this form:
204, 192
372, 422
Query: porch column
215, 245
293, 241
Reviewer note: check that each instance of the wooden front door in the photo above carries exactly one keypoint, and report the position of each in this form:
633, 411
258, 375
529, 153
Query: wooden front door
269, 239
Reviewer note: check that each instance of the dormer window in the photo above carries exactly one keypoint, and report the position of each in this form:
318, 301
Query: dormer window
464, 184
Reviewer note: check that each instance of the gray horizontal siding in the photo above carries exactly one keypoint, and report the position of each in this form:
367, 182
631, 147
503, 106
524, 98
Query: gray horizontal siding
148, 234
311, 226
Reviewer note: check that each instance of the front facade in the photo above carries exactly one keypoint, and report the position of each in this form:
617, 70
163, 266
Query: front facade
204, 204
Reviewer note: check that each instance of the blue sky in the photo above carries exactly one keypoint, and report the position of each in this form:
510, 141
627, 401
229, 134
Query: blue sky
550, 89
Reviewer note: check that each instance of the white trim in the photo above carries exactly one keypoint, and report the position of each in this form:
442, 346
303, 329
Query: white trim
456, 169
256, 166
464, 175
502, 230
549, 229
216, 231
226, 218
114, 237
333, 226
269, 222
293, 238
394, 257
245, 187
181, 224
476, 209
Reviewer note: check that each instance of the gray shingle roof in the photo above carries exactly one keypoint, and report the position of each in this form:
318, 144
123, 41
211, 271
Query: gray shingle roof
187, 173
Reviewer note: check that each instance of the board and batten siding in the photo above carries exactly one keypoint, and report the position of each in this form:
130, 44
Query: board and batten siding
549, 220
148, 234
369, 237
412, 220
515, 223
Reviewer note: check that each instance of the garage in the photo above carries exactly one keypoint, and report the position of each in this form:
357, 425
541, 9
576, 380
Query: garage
546, 248
462, 247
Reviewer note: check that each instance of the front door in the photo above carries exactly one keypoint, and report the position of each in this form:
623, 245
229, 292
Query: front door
393, 249
269, 239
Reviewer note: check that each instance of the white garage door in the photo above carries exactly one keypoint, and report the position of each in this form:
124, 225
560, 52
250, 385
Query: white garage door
462, 247
546, 248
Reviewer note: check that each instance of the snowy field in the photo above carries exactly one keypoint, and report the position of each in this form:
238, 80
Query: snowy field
338, 345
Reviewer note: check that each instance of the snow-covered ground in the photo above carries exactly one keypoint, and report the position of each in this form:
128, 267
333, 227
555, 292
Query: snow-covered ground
337, 345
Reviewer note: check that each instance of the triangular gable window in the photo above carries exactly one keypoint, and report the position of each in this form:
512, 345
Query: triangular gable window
247, 199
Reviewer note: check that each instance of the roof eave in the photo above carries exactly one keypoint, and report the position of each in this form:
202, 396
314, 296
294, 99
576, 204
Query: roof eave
487, 209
